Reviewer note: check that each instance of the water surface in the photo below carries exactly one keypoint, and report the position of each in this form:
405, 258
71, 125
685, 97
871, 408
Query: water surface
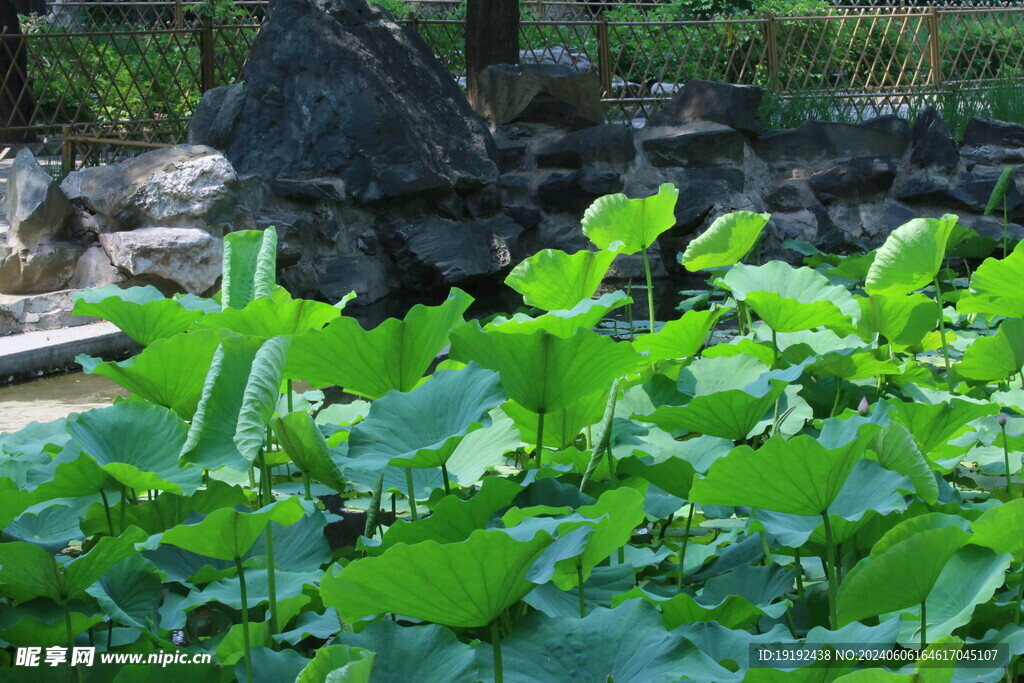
49, 398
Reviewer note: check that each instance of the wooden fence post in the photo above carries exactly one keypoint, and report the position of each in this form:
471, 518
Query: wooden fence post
772, 50
934, 47
206, 56
604, 56
67, 151
179, 15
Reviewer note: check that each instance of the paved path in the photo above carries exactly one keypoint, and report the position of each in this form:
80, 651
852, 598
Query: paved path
34, 354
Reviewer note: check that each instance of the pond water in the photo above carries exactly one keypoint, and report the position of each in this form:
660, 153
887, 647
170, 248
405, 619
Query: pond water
53, 397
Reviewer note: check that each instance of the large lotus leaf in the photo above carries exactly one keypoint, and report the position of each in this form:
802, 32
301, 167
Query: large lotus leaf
792, 299
138, 445
453, 520
732, 612
130, 592
249, 267
456, 584
422, 427
600, 590
798, 476
227, 591
227, 533
625, 644
415, 654
13, 500
903, 320
29, 626
169, 372
143, 313
852, 366
484, 449
35, 438
680, 338
587, 313
672, 474
617, 223
997, 357
259, 399
997, 287
50, 528
27, 571
269, 666
896, 450
1000, 528
211, 436
969, 579
304, 443
307, 624
935, 425
339, 664
726, 242
543, 372
561, 427
910, 257
706, 376
273, 316
553, 280
902, 575
71, 474
168, 509
394, 355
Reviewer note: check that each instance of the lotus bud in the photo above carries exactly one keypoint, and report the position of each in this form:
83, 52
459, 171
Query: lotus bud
1001, 420
862, 408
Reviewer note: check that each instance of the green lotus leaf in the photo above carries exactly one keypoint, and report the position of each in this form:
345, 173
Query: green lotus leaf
421, 428
262, 391
901, 319
169, 372
26, 627
999, 528
852, 366
71, 474
415, 655
339, 664
619, 224
455, 584
587, 314
680, 338
543, 372
628, 643
896, 450
227, 591
483, 449
726, 242
935, 425
268, 665
322, 626
27, 571
227, 533
997, 357
731, 645
143, 313
798, 476
792, 299
561, 427
138, 445
250, 266
910, 257
272, 316
130, 592
671, 468
304, 443
50, 528
553, 280
732, 612
13, 500
997, 287
897, 574
453, 520
168, 509
393, 356
603, 586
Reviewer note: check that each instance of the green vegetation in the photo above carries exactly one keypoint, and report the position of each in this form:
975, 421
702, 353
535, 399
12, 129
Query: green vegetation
843, 467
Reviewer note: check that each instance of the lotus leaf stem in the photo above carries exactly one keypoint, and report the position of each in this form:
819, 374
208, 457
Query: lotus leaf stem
245, 619
444, 477
412, 494
1006, 459
682, 551
106, 511
942, 334
579, 580
540, 439
373, 512
499, 676
924, 624
830, 572
271, 579
650, 288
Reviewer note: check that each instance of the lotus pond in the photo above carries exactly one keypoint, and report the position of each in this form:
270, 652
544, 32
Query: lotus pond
550, 495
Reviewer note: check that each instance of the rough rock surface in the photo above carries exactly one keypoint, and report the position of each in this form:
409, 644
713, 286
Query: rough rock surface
734, 106
42, 267
34, 204
340, 96
540, 93
186, 257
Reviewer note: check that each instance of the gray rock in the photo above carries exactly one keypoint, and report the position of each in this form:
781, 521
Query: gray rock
574, 192
540, 93
187, 257
35, 206
931, 145
972, 191
215, 116
734, 106
696, 144
556, 55
855, 178
985, 131
817, 140
178, 186
610, 143
46, 311
43, 267
335, 90
94, 269
368, 278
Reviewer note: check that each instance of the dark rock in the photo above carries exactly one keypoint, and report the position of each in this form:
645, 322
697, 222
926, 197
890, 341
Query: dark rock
540, 93
610, 143
878, 220
215, 116
432, 252
340, 275
526, 216
854, 178
734, 106
574, 192
920, 187
335, 89
985, 131
931, 145
730, 175
451, 204
36, 208
511, 154
45, 267
483, 202
891, 125
330, 189
791, 194
697, 144
972, 191
817, 140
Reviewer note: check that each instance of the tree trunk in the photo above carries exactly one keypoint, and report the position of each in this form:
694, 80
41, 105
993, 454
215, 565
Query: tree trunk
492, 37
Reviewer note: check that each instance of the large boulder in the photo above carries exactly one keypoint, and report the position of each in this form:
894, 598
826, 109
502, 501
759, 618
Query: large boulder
185, 185
610, 143
985, 131
734, 106
931, 145
36, 208
44, 267
540, 93
696, 144
335, 89
183, 258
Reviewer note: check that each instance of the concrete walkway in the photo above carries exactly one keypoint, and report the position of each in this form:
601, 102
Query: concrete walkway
34, 354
